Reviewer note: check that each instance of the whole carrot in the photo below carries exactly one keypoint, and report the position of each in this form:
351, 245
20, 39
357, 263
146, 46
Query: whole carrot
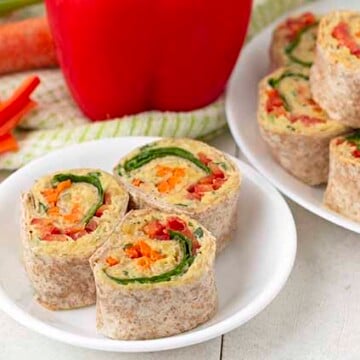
26, 45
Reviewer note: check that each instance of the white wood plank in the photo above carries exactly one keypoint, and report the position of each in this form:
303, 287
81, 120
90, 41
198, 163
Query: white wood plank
18, 343
317, 315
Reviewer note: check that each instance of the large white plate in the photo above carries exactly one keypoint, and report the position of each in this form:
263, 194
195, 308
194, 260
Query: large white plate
249, 273
241, 104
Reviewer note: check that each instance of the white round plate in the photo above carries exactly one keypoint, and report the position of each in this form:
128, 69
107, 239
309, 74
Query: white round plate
241, 106
249, 273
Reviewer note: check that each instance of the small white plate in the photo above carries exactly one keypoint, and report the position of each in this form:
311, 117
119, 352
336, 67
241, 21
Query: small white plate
241, 107
249, 273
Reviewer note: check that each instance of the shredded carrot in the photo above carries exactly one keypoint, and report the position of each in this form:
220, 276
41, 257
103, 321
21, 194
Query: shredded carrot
112, 261
175, 177
132, 252
147, 251
144, 253
179, 172
145, 262
63, 185
136, 182
163, 187
74, 215
172, 181
52, 195
53, 211
162, 170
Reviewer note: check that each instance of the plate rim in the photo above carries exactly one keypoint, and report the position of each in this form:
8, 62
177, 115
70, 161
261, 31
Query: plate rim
322, 212
262, 300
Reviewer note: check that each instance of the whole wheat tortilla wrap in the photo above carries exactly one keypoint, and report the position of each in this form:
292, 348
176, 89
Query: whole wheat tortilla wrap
296, 129
66, 216
154, 277
294, 41
335, 75
184, 176
342, 194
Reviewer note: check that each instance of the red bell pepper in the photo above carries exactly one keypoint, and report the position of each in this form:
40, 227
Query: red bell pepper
19, 100
124, 56
13, 110
8, 143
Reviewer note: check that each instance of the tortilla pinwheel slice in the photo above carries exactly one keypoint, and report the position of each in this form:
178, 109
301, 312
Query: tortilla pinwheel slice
335, 76
294, 41
296, 129
66, 217
342, 194
154, 277
185, 177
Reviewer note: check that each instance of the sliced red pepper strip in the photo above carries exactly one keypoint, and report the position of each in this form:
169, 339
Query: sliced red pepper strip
295, 25
356, 153
19, 100
13, 122
306, 120
342, 34
8, 143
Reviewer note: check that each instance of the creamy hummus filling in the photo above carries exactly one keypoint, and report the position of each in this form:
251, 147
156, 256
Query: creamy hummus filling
196, 177
288, 105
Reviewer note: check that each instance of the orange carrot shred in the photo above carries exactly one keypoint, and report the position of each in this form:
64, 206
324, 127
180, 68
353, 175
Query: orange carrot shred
112, 261
136, 182
145, 262
163, 186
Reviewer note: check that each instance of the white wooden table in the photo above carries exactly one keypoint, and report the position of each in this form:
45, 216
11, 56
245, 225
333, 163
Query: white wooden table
316, 316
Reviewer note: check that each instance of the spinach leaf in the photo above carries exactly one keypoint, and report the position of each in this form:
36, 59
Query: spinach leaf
295, 43
147, 155
89, 179
275, 82
199, 233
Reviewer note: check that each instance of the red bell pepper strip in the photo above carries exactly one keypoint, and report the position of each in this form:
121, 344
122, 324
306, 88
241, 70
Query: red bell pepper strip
12, 111
12, 123
19, 100
341, 33
8, 143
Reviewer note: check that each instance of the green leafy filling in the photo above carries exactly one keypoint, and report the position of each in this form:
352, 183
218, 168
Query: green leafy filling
42, 207
92, 179
295, 43
275, 83
222, 164
354, 138
149, 154
178, 270
199, 233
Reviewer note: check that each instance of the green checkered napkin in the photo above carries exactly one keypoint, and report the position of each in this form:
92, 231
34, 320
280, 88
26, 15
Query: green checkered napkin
57, 122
